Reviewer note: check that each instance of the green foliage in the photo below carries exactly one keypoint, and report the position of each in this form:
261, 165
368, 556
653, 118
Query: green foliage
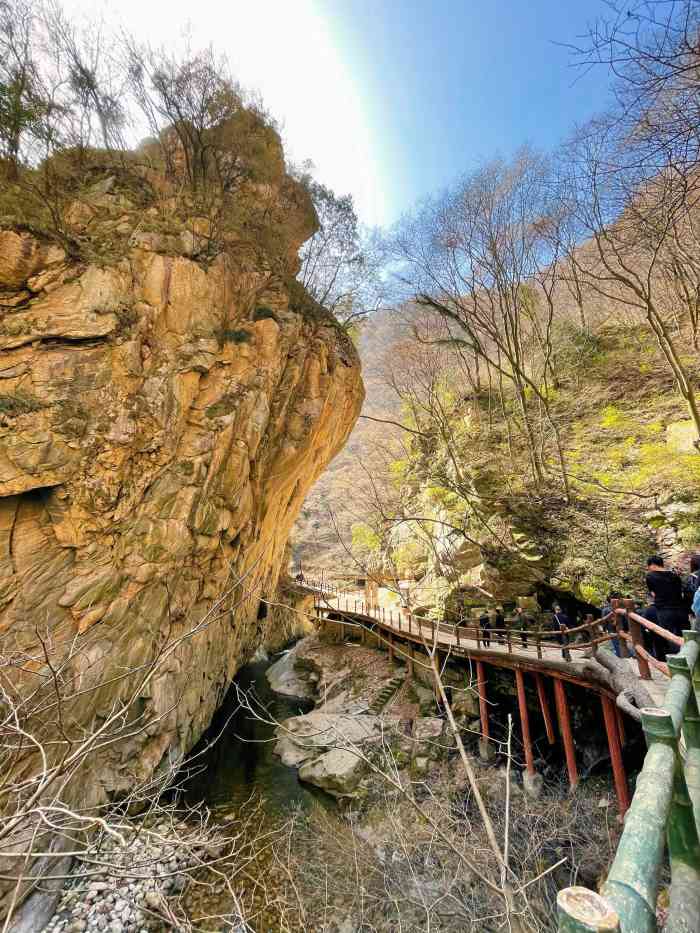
656, 463
264, 314
365, 539
398, 470
235, 336
690, 535
576, 346
612, 417
19, 403
591, 594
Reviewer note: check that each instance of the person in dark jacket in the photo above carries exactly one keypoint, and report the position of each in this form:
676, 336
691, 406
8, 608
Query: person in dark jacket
654, 643
562, 624
666, 588
610, 624
523, 622
499, 623
485, 625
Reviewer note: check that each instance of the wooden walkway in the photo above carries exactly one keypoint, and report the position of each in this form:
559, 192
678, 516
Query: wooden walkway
665, 809
502, 647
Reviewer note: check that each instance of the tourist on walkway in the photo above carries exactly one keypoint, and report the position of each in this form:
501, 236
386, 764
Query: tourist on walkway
499, 623
666, 588
691, 588
610, 625
523, 622
658, 645
562, 625
485, 625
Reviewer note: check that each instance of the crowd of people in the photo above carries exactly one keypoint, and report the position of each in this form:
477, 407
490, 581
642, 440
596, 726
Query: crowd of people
673, 604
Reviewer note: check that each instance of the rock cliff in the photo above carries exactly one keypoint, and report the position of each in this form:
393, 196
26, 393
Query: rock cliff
164, 409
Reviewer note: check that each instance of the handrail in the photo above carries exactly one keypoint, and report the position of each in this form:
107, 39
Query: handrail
665, 811
650, 626
539, 637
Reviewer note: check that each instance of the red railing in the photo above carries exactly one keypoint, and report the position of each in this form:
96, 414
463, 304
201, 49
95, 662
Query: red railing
583, 637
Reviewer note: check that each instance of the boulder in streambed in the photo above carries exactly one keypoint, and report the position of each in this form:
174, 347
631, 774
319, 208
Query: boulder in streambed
284, 677
322, 746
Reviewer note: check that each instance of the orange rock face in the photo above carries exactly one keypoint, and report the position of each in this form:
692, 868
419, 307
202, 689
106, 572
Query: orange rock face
161, 421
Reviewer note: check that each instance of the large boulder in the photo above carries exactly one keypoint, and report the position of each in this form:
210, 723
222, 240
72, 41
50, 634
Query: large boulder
338, 772
284, 677
324, 746
161, 421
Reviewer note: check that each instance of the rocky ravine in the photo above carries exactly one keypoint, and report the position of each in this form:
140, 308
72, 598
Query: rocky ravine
161, 421
367, 711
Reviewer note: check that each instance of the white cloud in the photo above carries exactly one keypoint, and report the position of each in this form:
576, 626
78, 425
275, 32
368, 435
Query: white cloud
283, 49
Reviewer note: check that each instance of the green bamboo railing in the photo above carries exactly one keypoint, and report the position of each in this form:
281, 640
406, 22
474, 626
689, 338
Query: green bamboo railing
664, 815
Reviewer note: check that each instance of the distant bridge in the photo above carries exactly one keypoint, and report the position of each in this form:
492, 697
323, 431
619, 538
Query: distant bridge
666, 802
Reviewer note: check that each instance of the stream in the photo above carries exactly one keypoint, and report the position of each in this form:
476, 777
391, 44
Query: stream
241, 763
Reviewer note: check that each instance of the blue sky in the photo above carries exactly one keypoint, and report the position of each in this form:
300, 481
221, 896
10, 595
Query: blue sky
448, 82
391, 99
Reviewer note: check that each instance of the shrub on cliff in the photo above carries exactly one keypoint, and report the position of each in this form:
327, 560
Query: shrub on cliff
68, 100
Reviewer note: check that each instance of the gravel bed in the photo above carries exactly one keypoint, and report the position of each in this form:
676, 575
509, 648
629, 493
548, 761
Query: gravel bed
113, 902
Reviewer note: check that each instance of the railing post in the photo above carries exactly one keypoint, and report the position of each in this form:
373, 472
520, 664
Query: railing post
637, 640
624, 650
508, 639
620, 725
524, 721
538, 643
483, 706
580, 910
615, 749
544, 707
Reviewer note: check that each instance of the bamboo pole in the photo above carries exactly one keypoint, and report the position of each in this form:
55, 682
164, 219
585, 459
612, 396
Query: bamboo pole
581, 910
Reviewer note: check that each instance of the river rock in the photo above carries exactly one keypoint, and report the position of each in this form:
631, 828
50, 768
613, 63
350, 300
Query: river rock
302, 738
338, 772
284, 678
431, 737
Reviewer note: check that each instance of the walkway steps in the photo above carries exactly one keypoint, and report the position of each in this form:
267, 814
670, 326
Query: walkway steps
387, 693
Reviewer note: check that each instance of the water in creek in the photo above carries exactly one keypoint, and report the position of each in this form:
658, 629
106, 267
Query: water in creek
241, 763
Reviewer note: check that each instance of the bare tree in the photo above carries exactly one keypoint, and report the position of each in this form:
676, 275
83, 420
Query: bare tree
633, 174
479, 258
341, 264
651, 49
21, 105
639, 252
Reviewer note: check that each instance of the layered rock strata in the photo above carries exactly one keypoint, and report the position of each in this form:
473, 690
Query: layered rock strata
161, 421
